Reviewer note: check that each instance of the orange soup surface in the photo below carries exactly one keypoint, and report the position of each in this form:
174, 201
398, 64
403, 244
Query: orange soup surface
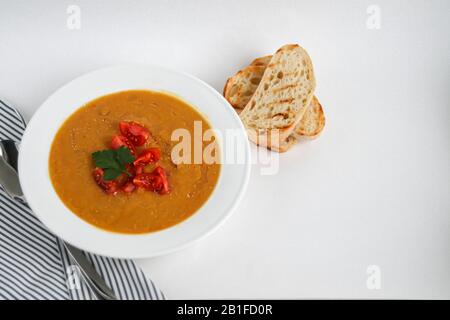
90, 129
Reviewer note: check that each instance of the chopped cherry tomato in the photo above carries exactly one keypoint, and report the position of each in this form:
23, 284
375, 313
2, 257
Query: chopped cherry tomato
147, 156
143, 180
155, 181
128, 187
159, 185
119, 141
160, 171
134, 170
165, 183
136, 133
110, 187
138, 169
98, 175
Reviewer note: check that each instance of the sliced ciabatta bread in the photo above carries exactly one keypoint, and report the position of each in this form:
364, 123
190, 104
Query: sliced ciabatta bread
240, 88
281, 98
313, 121
261, 61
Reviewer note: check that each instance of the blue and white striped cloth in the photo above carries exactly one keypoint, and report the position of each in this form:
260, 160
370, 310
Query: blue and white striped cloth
34, 263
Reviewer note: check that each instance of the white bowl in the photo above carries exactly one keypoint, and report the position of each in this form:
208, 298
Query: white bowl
38, 137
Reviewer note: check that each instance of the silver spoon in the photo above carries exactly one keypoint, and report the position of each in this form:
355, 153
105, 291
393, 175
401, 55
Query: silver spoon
9, 180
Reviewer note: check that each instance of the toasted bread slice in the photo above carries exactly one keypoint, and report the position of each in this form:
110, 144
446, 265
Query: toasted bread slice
261, 61
313, 122
240, 88
281, 98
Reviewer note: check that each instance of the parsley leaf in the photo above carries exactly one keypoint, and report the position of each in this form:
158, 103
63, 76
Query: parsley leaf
113, 162
111, 174
124, 155
105, 159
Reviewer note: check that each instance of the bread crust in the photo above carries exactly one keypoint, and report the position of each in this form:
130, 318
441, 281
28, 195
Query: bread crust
261, 61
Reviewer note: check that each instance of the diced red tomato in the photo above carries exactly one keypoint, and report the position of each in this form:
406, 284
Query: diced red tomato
155, 181
128, 187
134, 170
134, 132
138, 169
165, 183
147, 156
119, 141
134, 135
143, 180
98, 175
110, 187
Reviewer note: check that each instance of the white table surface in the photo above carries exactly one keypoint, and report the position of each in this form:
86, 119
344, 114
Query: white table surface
372, 190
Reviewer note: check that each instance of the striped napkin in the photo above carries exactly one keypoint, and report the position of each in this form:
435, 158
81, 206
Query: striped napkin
34, 263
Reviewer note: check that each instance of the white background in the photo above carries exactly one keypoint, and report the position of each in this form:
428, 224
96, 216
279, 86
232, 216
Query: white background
372, 190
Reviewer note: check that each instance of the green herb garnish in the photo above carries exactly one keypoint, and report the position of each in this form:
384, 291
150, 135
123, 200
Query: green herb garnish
113, 162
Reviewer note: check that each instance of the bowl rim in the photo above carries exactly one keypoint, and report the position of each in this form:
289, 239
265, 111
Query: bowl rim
31, 190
